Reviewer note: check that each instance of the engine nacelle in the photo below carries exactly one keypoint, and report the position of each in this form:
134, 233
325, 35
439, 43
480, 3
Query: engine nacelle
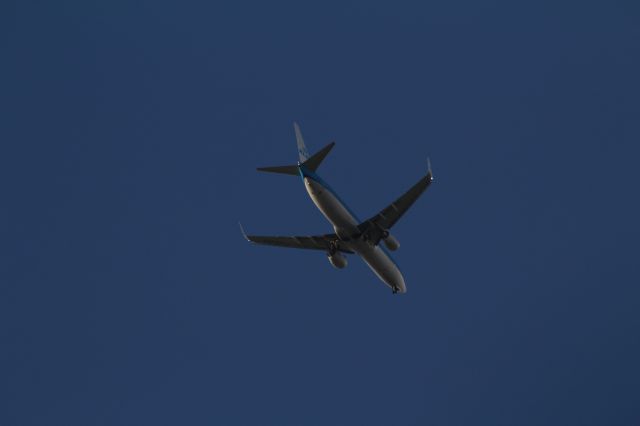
391, 243
337, 260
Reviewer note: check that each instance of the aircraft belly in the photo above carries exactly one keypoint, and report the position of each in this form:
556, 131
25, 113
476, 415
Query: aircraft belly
337, 213
382, 266
330, 206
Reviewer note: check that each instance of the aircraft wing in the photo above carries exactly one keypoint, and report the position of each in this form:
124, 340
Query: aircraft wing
314, 242
376, 226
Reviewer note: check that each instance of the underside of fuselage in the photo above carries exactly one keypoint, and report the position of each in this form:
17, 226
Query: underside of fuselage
345, 224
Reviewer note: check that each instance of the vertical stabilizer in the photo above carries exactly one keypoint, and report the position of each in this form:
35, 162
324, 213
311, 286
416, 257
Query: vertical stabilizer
303, 154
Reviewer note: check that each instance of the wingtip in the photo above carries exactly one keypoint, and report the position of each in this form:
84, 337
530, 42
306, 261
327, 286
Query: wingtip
244, 234
429, 170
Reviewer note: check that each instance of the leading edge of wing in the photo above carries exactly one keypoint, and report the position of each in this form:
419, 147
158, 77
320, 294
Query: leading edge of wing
313, 242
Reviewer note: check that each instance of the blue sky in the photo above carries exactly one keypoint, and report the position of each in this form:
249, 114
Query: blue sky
129, 138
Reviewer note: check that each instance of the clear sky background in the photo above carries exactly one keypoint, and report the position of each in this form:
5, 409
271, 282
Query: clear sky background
129, 136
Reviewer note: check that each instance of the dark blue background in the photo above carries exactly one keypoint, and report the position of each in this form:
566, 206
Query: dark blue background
129, 137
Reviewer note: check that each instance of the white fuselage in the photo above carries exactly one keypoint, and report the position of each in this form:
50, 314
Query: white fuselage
345, 225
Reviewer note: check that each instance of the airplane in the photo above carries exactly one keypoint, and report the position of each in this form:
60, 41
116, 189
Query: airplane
351, 235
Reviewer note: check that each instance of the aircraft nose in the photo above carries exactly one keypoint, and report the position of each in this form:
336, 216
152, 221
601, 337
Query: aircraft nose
398, 281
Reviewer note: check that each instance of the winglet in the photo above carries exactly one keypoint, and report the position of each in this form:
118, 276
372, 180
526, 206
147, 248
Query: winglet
244, 234
429, 171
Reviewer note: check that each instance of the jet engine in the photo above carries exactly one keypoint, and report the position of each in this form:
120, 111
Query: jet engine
337, 260
391, 242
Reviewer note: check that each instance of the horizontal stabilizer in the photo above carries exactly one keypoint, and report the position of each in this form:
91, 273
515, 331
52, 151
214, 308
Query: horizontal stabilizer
315, 160
310, 162
287, 170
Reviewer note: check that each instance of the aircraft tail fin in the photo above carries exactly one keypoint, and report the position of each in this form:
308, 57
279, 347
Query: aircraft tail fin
310, 162
303, 154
